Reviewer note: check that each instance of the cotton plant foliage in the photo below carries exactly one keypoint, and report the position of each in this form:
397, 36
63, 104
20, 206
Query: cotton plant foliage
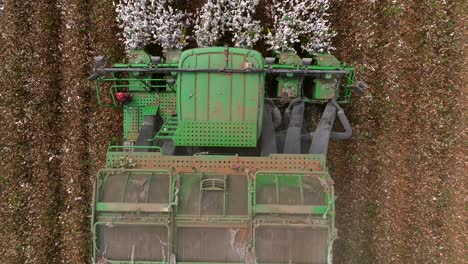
246, 30
219, 16
152, 21
210, 23
132, 16
168, 25
294, 21
300, 21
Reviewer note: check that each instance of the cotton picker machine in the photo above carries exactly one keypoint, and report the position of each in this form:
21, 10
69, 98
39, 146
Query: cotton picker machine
221, 160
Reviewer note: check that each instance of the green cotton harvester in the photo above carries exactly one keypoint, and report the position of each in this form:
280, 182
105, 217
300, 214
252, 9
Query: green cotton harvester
223, 157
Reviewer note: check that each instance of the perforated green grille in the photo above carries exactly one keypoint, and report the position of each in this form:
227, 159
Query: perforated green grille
142, 99
150, 110
216, 134
167, 104
145, 104
131, 122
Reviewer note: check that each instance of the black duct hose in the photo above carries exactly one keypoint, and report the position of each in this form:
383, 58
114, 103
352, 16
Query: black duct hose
277, 119
322, 133
344, 121
292, 144
268, 140
287, 112
276, 113
146, 132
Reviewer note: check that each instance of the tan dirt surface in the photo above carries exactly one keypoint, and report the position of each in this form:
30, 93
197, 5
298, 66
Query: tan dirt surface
401, 181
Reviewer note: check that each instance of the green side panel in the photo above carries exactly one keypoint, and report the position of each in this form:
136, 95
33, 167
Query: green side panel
288, 86
167, 104
134, 113
325, 59
144, 103
138, 58
289, 57
216, 134
324, 89
131, 118
208, 100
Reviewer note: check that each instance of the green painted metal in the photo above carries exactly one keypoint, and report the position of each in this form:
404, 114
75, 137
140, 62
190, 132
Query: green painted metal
288, 86
167, 104
289, 58
150, 110
168, 129
325, 87
117, 148
172, 55
207, 101
326, 59
215, 195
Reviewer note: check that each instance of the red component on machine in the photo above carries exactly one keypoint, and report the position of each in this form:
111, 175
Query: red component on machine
123, 97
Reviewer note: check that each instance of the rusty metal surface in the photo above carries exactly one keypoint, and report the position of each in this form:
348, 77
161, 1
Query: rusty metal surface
232, 165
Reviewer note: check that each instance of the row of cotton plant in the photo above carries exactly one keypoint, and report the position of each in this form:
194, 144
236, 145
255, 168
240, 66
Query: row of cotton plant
133, 18
168, 25
295, 21
211, 22
234, 16
300, 21
152, 21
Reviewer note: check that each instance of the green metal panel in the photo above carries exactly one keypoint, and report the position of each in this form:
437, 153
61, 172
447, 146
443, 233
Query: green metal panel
289, 58
324, 88
207, 100
326, 59
150, 110
288, 86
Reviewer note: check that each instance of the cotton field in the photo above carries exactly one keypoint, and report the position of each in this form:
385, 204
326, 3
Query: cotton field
146, 22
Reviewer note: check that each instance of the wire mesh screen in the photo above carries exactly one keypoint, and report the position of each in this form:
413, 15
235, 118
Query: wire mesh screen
135, 188
289, 190
212, 244
291, 245
129, 242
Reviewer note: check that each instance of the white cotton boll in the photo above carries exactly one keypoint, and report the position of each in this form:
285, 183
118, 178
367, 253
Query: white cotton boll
241, 21
219, 16
296, 19
146, 21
